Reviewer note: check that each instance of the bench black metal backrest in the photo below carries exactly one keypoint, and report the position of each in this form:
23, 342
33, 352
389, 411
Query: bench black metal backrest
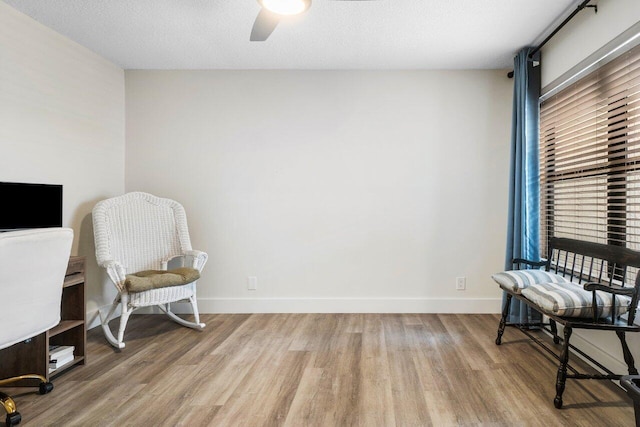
605, 266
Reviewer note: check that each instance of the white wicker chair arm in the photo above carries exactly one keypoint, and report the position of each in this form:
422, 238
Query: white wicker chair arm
189, 258
116, 273
198, 258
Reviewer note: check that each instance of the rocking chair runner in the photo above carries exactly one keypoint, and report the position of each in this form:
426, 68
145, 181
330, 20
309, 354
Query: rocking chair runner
138, 237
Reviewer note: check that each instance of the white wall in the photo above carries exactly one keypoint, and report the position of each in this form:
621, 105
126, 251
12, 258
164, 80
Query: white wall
61, 122
581, 37
340, 191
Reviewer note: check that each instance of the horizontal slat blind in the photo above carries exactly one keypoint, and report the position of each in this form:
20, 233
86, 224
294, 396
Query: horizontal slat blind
590, 157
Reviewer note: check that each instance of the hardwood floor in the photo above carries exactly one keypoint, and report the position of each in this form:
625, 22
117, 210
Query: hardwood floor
320, 370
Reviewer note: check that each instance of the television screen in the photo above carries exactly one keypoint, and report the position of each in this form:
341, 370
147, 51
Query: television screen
24, 205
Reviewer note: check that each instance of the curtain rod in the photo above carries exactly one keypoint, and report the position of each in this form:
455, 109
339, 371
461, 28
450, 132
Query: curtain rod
558, 28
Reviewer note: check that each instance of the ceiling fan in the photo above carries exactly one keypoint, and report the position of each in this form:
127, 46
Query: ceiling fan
272, 11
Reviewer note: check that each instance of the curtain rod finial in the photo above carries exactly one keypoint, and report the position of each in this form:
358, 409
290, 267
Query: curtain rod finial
510, 74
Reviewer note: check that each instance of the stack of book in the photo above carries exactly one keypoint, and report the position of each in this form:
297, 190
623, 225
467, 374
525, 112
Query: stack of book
60, 355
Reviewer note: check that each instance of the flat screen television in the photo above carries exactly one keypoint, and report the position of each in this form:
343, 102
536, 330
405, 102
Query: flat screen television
25, 205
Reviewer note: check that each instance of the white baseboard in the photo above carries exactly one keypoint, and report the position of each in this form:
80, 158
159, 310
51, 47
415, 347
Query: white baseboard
343, 305
321, 305
93, 319
324, 305
601, 355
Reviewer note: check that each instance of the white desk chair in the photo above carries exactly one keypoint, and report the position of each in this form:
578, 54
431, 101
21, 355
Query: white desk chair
32, 269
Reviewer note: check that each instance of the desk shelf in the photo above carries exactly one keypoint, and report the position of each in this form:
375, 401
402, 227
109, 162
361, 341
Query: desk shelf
63, 326
55, 372
72, 329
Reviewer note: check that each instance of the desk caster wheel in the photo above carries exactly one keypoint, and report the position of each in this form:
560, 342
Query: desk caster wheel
13, 419
557, 402
45, 388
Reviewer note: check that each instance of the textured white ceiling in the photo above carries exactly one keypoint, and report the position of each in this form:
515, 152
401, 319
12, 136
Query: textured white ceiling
332, 34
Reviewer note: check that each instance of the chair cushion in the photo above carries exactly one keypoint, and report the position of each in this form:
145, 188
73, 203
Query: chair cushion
516, 280
572, 300
152, 279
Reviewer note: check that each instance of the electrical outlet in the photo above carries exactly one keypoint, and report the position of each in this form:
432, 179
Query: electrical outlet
461, 283
252, 283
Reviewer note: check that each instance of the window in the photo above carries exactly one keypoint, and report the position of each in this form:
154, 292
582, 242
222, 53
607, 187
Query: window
590, 157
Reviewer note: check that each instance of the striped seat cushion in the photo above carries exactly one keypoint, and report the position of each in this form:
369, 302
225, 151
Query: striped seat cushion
516, 280
571, 300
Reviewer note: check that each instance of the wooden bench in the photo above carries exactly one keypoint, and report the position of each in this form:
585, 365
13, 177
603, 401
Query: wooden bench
565, 287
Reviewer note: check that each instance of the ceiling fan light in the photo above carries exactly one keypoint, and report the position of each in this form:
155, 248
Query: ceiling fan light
286, 7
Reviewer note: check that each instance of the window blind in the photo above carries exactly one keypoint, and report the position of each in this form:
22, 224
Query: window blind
590, 157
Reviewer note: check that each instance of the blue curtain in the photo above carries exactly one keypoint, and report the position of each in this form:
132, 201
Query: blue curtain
524, 193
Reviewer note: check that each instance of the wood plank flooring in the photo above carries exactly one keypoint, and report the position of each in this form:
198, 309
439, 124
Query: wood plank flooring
320, 370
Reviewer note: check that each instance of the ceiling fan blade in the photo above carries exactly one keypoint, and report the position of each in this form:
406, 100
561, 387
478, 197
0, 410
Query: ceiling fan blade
264, 25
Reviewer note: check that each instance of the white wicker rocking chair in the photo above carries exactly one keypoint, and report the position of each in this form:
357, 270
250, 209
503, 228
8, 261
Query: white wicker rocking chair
138, 232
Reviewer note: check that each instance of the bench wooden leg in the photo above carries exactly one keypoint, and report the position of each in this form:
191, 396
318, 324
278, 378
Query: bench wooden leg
628, 357
554, 330
503, 320
562, 369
